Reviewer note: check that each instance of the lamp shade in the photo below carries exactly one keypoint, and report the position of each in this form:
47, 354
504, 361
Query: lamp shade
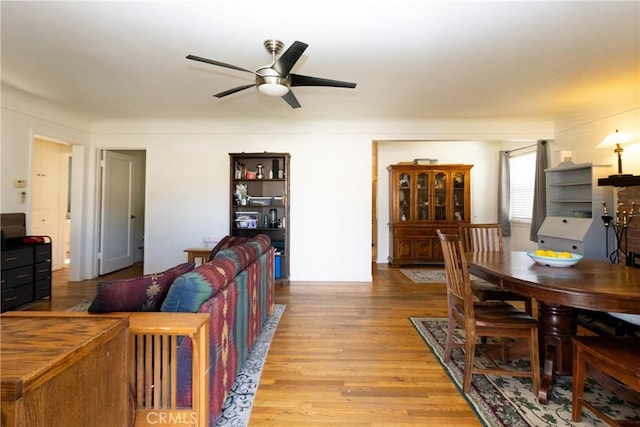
616, 138
273, 89
272, 85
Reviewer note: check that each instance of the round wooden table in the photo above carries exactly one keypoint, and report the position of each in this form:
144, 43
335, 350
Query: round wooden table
590, 284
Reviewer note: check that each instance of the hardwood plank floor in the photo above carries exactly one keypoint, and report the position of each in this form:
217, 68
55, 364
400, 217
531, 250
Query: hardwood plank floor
343, 354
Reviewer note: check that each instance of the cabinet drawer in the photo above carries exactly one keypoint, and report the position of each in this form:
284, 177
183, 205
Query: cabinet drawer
13, 297
17, 257
43, 270
42, 288
561, 245
424, 231
42, 252
17, 276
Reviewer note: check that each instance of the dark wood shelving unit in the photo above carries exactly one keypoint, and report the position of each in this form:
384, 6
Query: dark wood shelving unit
264, 194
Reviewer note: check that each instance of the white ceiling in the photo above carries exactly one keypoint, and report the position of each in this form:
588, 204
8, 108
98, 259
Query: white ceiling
410, 58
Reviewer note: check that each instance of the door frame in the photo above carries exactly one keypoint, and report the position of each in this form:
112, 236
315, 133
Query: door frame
139, 183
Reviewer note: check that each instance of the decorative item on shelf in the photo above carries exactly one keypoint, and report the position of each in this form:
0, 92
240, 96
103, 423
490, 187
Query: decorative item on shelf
251, 175
259, 200
246, 219
404, 180
565, 157
240, 195
617, 139
238, 167
425, 161
620, 225
273, 218
259, 174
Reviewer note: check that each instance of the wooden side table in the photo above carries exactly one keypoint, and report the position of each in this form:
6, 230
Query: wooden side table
154, 339
201, 254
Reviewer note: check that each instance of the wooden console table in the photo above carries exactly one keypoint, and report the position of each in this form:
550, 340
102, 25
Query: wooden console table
61, 369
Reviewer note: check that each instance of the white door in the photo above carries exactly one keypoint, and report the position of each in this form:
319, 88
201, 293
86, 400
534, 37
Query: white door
116, 219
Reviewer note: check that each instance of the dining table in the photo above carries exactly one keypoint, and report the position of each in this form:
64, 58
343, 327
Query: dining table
560, 291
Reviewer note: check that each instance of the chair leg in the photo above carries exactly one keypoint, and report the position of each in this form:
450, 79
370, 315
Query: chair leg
579, 368
469, 354
535, 360
448, 346
528, 308
504, 344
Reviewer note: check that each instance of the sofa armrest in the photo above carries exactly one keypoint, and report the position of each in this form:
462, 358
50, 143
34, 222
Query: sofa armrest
154, 338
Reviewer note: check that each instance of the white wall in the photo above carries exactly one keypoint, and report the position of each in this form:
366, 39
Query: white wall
187, 178
188, 182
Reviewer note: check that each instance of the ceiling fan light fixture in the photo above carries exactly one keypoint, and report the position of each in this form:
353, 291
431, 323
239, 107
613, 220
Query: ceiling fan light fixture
273, 85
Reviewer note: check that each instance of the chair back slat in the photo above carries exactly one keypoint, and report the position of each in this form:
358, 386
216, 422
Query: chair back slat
457, 272
481, 237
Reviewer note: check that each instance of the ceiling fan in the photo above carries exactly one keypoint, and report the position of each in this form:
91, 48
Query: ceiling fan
276, 79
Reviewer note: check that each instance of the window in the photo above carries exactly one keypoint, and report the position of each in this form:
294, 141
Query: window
522, 168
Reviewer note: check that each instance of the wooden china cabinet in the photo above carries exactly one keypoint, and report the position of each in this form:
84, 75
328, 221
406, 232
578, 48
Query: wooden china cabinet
423, 199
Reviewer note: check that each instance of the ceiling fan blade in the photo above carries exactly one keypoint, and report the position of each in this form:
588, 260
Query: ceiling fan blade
288, 59
218, 63
291, 100
299, 80
232, 91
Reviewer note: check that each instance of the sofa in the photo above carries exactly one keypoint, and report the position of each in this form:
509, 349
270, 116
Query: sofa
235, 288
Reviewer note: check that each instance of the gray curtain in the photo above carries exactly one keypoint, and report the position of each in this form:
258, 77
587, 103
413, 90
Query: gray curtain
504, 193
539, 192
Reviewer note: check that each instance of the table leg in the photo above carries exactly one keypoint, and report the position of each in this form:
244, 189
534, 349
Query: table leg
558, 324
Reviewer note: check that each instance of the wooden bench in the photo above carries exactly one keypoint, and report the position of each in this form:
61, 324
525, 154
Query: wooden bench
617, 357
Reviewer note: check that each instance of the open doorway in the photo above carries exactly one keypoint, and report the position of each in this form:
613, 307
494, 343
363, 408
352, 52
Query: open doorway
50, 197
121, 178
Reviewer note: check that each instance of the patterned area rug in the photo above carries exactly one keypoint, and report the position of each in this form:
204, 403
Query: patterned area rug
509, 401
426, 275
83, 306
237, 408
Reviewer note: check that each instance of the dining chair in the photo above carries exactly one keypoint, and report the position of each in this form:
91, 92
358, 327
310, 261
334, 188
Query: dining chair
482, 319
485, 238
614, 356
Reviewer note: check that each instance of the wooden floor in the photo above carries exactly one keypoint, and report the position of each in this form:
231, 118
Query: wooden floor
344, 354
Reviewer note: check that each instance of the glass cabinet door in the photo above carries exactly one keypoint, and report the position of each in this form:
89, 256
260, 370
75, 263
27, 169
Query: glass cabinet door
458, 196
440, 195
422, 192
404, 197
